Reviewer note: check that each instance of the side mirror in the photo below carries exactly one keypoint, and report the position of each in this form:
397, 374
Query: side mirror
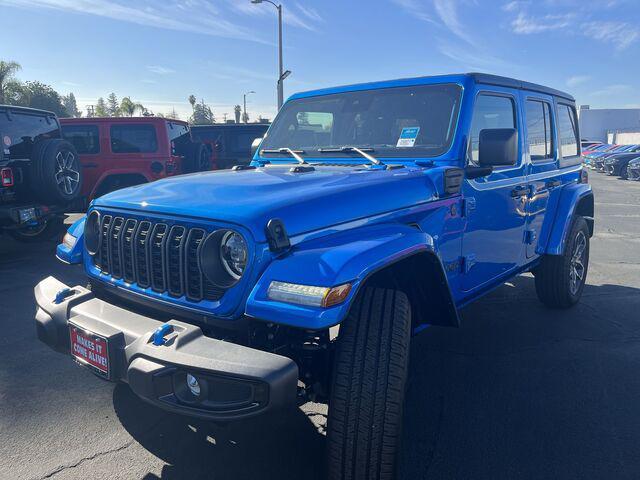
498, 147
255, 145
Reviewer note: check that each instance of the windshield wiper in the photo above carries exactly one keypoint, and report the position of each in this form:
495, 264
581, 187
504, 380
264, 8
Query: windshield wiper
293, 153
360, 151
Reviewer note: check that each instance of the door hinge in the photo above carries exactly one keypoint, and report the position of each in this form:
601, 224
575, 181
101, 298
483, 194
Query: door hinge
468, 205
468, 261
530, 237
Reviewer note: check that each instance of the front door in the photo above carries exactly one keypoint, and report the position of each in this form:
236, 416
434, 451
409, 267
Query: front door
495, 205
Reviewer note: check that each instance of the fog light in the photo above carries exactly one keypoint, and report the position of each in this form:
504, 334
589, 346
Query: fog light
193, 385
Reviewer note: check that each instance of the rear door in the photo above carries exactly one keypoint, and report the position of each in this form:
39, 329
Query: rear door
138, 148
542, 164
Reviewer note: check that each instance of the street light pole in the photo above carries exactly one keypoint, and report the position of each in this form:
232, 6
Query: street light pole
244, 115
281, 73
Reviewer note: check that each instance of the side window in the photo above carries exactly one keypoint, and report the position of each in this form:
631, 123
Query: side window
241, 143
539, 130
490, 111
84, 137
567, 130
133, 138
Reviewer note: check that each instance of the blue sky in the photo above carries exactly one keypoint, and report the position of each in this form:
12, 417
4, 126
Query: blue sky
160, 52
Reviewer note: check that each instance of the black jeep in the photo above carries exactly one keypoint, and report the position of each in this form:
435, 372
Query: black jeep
40, 173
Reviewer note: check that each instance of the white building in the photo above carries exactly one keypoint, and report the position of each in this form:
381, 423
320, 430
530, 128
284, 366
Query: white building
596, 123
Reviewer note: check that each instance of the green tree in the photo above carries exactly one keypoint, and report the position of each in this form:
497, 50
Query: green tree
128, 107
237, 111
70, 104
192, 101
101, 108
7, 73
39, 95
202, 114
113, 107
245, 117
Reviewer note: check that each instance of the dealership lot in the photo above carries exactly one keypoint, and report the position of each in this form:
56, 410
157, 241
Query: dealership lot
519, 392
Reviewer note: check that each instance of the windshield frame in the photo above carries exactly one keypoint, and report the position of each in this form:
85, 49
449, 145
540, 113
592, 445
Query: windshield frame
386, 153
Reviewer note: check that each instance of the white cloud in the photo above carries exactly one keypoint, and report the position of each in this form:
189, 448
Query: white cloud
416, 9
614, 89
620, 34
160, 70
525, 24
447, 11
471, 59
576, 80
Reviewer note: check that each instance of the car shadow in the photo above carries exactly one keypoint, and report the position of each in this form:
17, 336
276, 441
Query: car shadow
280, 447
480, 401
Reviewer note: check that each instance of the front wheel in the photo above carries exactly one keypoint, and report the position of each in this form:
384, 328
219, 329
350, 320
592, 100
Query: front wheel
367, 393
560, 279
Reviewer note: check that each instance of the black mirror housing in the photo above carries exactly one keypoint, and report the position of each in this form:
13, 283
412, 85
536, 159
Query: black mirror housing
498, 147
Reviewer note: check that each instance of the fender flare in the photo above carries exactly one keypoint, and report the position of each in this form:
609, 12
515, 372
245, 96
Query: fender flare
575, 199
354, 257
73, 255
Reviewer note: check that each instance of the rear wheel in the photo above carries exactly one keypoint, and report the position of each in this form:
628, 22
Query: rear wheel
367, 393
198, 158
560, 279
45, 230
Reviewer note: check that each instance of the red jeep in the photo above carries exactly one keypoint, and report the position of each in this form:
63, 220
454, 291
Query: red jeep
121, 152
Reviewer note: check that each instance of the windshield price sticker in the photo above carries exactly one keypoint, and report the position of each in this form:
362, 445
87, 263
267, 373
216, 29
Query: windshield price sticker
408, 137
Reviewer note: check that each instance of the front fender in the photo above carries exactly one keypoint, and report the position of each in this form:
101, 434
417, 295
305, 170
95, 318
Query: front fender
73, 255
574, 199
330, 261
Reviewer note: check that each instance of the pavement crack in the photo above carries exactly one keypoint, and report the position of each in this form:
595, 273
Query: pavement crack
85, 459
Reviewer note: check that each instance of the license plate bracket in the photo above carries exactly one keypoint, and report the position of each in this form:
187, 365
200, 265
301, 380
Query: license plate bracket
90, 350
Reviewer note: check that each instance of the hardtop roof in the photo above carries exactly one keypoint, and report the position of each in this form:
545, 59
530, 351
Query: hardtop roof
33, 111
461, 78
83, 120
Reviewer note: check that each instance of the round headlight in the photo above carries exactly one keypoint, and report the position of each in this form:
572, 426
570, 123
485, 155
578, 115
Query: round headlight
92, 235
223, 257
233, 253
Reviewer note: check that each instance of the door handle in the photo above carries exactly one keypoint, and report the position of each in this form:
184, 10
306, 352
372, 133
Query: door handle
519, 191
553, 183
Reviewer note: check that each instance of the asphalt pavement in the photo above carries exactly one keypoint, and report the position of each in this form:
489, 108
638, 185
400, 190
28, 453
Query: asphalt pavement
519, 391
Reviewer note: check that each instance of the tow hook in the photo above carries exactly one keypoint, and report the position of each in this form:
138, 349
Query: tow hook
63, 294
160, 333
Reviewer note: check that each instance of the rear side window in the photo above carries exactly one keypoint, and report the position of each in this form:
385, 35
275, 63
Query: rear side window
85, 138
133, 138
567, 130
21, 131
539, 130
241, 142
490, 111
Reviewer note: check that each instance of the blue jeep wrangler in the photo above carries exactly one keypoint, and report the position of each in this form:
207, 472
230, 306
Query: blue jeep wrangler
368, 213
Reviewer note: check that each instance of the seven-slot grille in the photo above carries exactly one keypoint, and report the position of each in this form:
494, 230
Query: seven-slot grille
155, 255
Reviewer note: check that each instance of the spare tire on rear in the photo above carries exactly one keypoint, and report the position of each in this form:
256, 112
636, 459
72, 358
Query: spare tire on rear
197, 158
56, 174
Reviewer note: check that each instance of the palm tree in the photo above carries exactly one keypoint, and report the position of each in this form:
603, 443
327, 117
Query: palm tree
192, 101
129, 107
7, 71
237, 111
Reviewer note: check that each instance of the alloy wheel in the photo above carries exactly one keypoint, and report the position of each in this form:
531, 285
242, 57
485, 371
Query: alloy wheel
67, 172
577, 267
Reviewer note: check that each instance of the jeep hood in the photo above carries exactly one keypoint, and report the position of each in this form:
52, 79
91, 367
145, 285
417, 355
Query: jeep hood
303, 201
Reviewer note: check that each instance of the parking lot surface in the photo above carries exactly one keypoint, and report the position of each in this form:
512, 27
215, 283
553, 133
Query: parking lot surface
519, 391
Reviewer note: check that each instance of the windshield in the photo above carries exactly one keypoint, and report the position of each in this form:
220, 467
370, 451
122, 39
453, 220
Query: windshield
417, 121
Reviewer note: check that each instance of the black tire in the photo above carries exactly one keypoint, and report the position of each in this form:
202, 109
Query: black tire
56, 174
554, 277
52, 227
367, 392
198, 158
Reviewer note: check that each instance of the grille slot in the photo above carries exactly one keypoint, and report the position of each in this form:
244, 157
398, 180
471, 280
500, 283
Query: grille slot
157, 255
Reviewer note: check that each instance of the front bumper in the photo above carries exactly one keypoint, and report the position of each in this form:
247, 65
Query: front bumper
236, 381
